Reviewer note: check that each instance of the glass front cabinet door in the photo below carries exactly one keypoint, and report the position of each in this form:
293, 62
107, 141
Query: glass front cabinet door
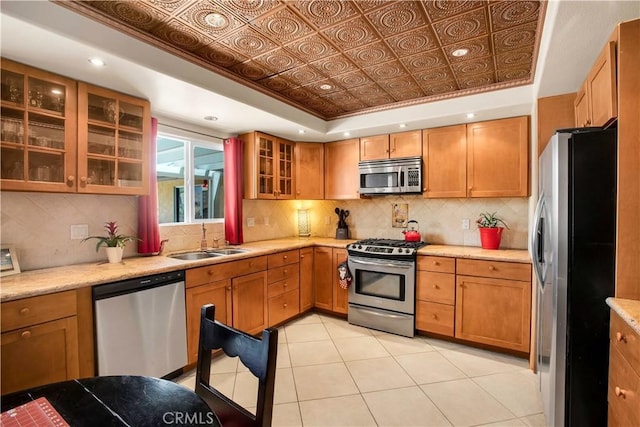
113, 142
38, 130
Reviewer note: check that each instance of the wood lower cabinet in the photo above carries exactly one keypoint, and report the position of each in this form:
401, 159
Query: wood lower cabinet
340, 295
624, 374
40, 341
306, 279
323, 277
309, 158
493, 303
435, 294
341, 170
283, 292
249, 295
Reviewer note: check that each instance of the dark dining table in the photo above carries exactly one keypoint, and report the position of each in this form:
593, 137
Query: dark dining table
111, 401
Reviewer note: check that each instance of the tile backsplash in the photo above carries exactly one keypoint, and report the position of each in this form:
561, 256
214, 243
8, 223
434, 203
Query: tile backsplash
38, 224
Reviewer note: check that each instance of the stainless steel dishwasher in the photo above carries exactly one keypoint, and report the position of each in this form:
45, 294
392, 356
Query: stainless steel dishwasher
141, 326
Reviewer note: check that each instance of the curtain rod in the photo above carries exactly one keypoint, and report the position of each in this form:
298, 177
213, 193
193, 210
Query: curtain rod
191, 131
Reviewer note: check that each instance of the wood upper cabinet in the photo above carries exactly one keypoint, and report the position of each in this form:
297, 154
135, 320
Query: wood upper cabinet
39, 341
596, 101
269, 167
249, 295
306, 279
309, 173
217, 293
498, 158
323, 277
395, 145
341, 169
113, 142
445, 161
340, 296
493, 303
38, 125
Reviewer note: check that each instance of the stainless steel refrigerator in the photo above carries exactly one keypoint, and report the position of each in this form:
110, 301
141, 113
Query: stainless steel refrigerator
573, 251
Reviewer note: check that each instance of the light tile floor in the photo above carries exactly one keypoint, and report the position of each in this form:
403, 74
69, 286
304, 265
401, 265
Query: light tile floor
331, 373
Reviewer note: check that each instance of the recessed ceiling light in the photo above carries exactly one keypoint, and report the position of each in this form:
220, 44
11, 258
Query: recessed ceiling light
215, 20
326, 87
211, 118
470, 115
301, 131
97, 62
460, 52
402, 126
346, 134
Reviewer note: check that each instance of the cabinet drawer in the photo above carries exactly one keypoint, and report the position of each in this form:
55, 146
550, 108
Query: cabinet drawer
437, 263
625, 340
436, 287
434, 317
496, 269
278, 288
284, 258
623, 390
282, 273
284, 307
227, 270
31, 311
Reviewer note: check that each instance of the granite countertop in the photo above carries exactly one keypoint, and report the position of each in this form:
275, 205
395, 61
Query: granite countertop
57, 279
628, 310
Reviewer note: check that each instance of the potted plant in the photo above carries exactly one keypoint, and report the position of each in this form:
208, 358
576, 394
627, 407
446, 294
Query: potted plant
490, 230
114, 242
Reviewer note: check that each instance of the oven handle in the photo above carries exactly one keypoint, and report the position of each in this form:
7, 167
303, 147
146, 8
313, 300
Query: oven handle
395, 264
377, 313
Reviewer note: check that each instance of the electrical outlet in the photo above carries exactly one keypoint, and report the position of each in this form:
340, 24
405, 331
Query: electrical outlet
327, 220
266, 220
251, 222
78, 231
465, 224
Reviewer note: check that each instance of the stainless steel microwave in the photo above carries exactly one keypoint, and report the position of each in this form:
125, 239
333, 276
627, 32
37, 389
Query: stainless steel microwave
391, 176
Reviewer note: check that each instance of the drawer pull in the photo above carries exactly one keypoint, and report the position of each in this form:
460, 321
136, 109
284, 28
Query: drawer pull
434, 316
620, 392
620, 337
24, 311
229, 288
436, 287
491, 268
210, 272
284, 285
284, 305
285, 257
436, 263
26, 334
284, 272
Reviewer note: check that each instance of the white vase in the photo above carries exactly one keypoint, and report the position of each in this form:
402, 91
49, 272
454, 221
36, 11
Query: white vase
114, 254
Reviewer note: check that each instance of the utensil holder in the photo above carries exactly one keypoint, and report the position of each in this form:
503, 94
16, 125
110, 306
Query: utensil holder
342, 233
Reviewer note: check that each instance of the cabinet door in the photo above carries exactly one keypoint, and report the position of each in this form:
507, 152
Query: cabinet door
41, 354
217, 293
405, 144
250, 302
309, 157
38, 130
602, 89
259, 165
341, 170
445, 159
374, 147
581, 107
306, 279
323, 277
340, 296
284, 171
113, 142
493, 311
498, 158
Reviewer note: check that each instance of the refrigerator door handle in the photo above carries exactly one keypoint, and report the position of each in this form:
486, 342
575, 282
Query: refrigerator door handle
537, 245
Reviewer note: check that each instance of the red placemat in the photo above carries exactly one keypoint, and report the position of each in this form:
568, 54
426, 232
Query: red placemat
37, 413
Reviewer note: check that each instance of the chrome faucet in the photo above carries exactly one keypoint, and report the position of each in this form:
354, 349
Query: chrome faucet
162, 242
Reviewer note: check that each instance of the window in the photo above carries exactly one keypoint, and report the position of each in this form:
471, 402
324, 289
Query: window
190, 180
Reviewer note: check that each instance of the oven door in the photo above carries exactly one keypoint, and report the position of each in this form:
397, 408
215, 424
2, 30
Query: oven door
384, 284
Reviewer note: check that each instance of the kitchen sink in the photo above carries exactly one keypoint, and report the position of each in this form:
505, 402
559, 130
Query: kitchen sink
190, 256
226, 251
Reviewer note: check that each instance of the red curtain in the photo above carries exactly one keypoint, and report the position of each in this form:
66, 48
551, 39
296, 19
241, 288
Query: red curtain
148, 228
233, 190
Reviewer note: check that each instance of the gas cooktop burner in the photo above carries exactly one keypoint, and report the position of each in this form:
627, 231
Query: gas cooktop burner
383, 248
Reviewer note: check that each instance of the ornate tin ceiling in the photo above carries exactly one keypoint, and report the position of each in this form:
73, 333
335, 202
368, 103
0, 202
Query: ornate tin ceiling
341, 58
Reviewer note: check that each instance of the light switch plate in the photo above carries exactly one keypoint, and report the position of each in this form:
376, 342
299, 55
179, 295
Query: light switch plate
465, 224
251, 222
79, 231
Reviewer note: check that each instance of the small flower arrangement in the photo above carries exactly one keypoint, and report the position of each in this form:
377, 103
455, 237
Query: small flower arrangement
490, 220
112, 239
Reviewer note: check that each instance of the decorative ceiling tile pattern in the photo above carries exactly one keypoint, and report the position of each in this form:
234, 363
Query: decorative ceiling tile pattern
342, 58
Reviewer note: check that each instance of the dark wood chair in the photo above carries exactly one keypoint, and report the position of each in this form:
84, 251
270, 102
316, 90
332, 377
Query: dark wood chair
259, 356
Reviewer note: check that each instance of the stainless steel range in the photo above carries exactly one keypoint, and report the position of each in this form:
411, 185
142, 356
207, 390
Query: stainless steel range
382, 293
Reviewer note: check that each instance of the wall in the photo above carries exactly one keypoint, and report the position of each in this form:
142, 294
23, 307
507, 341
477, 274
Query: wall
38, 224
439, 219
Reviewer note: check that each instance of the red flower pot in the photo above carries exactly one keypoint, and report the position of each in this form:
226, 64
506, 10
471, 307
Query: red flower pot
490, 237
